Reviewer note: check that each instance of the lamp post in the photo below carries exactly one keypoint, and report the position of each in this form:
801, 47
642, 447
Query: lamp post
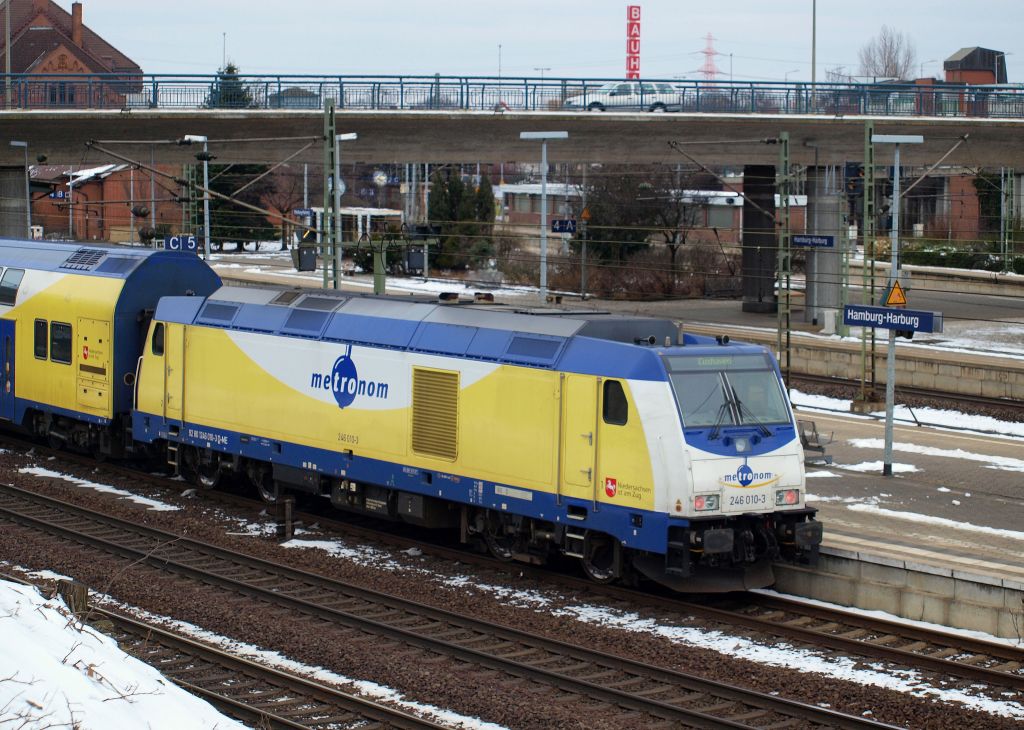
543, 137
894, 237
785, 76
920, 70
28, 192
205, 157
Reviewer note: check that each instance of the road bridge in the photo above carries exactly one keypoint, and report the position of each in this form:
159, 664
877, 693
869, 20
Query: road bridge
470, 136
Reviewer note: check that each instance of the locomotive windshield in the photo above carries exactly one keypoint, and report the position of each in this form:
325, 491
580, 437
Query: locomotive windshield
727, 390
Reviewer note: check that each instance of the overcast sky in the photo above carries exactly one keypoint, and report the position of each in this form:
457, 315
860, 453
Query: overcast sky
760, 40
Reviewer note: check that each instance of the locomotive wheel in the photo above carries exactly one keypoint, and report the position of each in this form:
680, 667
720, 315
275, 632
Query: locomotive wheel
267, 487
204, 476
600, 559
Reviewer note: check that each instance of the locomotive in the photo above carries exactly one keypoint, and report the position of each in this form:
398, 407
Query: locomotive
622, 442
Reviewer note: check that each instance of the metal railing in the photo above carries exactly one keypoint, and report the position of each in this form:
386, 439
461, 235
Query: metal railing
464, 93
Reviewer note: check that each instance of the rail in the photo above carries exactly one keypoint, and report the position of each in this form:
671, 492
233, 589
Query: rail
494, 93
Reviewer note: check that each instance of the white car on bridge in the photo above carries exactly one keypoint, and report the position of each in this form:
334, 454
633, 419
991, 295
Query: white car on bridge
627, 96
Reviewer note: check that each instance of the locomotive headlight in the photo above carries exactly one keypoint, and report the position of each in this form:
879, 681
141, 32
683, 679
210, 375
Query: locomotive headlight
787, 497
705, 502
742, 444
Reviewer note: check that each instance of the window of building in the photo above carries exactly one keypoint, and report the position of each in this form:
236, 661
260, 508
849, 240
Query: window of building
721, 216
9, 286
60, 342
158, 339
42, 330
616, 407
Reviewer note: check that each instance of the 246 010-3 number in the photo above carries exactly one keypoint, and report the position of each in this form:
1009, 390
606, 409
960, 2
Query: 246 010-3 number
747, 500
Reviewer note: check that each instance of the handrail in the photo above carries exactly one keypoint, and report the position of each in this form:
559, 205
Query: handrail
493, 93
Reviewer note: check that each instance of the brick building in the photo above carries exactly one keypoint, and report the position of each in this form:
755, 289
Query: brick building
49, 42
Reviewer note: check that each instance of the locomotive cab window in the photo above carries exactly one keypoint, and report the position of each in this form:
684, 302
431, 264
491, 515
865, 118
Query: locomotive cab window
727, 390
60, 343
158, 339
616, 407
41, 346
9, 285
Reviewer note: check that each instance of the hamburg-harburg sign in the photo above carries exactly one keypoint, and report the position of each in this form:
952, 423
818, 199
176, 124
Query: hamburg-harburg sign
892, 319
814, 241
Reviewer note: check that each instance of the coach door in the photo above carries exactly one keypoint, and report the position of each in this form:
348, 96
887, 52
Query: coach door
174, 371
579, 436
94, 365
7, 363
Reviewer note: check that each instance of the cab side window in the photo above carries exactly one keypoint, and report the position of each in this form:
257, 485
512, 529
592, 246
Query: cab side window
9, 286
60, 342
616, 407
40, 344
157, 346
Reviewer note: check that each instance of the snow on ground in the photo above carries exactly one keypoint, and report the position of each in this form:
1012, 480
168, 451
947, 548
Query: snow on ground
876, 466
930, 520
395, 284
152, 504
927, 416
1003, 463
56, 672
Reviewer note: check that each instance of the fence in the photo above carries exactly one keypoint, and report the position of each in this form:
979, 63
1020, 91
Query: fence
457, 93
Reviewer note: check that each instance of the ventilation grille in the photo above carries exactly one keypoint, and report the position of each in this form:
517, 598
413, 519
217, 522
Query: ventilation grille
83, 259
435, 413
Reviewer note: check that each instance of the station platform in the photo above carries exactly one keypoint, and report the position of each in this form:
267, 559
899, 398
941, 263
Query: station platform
941, 540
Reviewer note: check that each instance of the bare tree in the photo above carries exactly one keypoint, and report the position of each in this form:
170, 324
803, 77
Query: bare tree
891, 54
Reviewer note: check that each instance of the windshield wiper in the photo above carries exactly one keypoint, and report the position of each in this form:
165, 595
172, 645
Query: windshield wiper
723, 411
765, 431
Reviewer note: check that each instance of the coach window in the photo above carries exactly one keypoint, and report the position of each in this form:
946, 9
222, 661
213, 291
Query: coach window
9, 286
616, 407
41, 332
60, 342
158, 339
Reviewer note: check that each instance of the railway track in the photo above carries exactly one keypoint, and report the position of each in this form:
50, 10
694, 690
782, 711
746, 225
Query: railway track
642, 695
955, 401
250, 692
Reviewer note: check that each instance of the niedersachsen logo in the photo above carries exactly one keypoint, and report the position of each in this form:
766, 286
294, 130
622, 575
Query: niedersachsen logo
344, 382
749, 479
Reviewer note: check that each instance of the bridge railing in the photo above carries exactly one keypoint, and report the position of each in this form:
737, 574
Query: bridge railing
465, 93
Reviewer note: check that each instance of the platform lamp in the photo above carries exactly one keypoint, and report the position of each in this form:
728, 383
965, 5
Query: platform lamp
890, 362
205, 157
28, 192
543, 137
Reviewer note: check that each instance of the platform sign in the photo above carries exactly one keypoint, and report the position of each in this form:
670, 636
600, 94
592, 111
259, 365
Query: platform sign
814, 241
862, 315
303, 212
182, 242
563, 225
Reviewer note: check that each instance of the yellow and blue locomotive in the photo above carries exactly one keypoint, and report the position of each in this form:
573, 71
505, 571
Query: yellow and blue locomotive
615, 440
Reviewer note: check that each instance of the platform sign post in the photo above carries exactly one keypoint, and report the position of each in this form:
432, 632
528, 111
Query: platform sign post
890, 361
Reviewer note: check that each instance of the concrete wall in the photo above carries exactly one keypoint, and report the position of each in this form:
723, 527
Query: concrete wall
912, 590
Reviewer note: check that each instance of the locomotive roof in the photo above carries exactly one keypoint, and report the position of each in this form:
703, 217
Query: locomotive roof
540, 338
76, 258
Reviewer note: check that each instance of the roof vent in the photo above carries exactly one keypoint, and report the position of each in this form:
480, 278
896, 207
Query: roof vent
84, 259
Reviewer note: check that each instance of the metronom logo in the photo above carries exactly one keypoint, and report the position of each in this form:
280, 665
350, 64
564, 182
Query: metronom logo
344, 382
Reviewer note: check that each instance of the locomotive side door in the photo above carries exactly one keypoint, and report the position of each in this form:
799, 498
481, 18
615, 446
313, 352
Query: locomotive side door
579, 436
93, 357
7, 369
174, 372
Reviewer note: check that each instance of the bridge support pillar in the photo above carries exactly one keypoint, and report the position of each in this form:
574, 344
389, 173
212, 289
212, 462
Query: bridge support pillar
825, 206
760, 242
12, 202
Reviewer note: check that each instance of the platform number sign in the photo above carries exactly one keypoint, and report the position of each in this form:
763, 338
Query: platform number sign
181, 242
